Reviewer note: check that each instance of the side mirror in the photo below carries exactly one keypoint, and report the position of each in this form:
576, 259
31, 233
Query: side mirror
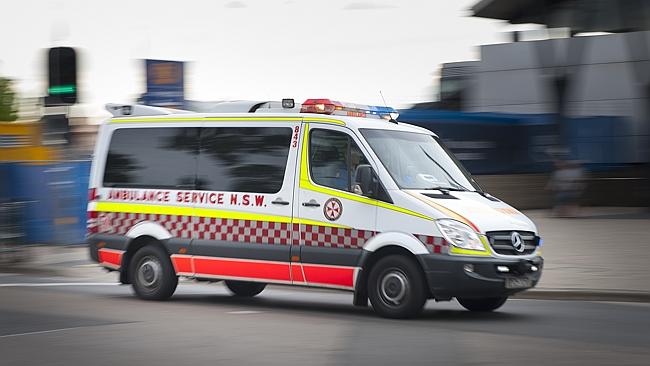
366, 182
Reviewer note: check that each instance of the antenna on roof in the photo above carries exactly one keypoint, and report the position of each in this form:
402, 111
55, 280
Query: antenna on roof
386, 105
382, 98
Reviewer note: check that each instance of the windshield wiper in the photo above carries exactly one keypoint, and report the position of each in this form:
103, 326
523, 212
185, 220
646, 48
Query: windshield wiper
447, 189
457, 186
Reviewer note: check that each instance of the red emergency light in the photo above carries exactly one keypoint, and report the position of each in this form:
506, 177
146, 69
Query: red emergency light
322, 106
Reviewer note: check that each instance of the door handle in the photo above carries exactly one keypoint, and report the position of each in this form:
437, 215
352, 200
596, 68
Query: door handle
311, 203
279, 201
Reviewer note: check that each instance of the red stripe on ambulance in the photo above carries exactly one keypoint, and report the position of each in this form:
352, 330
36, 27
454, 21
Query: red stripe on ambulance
110, 257
329, 275
283, 272
296, 273
182, 263
223, 267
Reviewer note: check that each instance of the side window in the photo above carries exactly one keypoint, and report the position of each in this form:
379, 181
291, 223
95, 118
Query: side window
243, 159
333, 160
162, 157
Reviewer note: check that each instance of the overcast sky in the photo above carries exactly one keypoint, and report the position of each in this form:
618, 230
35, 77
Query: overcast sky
247, 49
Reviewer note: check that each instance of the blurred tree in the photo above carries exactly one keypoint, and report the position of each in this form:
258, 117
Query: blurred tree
8, 111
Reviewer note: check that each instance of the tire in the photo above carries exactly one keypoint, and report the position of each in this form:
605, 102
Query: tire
245, 289
483, 304
151, 274
396, 287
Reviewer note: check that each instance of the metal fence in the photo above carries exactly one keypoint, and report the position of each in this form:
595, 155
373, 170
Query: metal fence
12, 232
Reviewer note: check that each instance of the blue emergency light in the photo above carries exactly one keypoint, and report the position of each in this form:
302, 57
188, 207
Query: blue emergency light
327, 106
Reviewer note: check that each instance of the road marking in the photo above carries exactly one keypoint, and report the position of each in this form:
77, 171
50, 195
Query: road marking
244, 312
62, 329
53, 284
638, 304
38, 332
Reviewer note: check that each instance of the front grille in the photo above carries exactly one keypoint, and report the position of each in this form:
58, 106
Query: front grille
501, 242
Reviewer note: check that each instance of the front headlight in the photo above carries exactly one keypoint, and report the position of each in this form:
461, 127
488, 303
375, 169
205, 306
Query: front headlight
460, 235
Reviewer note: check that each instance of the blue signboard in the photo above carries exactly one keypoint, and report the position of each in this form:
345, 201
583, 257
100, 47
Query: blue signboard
165, 83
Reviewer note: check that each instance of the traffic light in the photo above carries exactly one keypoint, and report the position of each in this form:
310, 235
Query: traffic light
62, 76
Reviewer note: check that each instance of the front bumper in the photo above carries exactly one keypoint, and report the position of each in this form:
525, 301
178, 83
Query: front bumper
447, 276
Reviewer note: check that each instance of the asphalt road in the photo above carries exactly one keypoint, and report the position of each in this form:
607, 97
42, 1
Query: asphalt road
43, 322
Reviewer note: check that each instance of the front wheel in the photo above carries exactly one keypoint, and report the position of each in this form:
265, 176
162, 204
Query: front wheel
152, 274
396, 287
245, 289
483, 304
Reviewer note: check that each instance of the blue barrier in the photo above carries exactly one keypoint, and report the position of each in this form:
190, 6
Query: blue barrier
491, 143
55, 196
504, 143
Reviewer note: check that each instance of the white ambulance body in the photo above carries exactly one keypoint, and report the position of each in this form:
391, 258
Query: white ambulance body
277, 196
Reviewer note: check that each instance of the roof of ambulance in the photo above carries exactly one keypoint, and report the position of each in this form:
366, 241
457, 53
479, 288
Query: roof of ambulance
351, 122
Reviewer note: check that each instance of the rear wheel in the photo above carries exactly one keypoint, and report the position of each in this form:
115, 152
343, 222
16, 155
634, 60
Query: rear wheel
396, 287
483, 304
245, 289
152, 274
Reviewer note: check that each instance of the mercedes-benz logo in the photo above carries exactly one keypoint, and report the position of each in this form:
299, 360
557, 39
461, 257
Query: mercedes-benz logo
517, 242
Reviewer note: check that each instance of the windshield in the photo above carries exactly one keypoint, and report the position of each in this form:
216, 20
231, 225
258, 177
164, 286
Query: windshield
417, 161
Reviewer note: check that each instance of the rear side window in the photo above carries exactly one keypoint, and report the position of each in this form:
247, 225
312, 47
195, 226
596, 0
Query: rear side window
163, 157
243, 159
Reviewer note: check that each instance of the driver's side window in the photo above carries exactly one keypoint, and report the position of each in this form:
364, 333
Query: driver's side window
334, 159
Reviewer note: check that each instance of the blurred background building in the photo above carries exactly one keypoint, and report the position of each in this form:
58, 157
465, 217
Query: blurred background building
579, 86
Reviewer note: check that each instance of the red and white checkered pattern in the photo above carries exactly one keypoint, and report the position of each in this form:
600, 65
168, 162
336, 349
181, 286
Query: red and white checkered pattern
92, 225
435, 244
120, 223
246, 231
325, 236
249, 231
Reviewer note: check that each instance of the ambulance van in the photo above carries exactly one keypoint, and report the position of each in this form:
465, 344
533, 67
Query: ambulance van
323, 194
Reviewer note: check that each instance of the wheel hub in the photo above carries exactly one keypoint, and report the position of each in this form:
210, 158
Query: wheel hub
393, 287
149, 272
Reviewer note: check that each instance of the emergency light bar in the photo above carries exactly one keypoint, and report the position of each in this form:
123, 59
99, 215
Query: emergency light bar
326, 106
320, 106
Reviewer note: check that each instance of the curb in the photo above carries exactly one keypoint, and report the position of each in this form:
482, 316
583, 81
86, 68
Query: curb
585, 295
